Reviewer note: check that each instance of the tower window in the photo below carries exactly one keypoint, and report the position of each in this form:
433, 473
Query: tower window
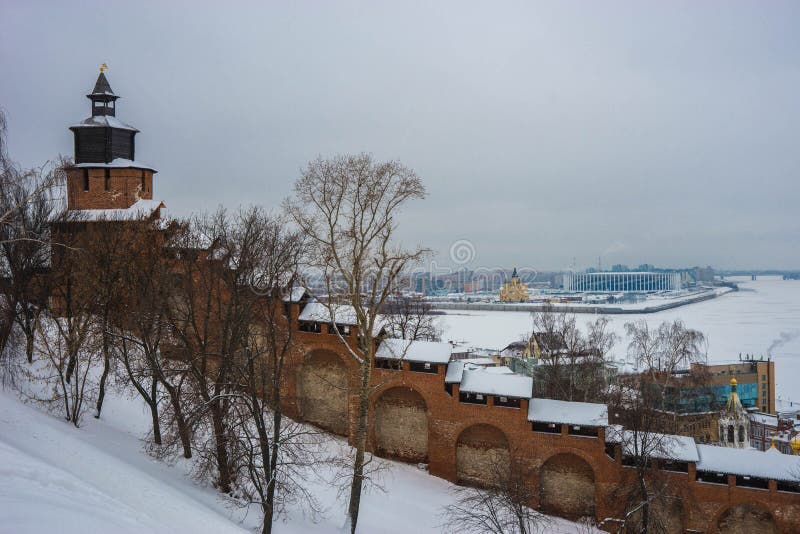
108, 178
85, 179
730, 433
144, 185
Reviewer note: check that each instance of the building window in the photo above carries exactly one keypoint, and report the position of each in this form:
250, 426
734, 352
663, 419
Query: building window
108, 179
423, 367
85, 179
547, 428
144, 185
741, 434
311, 327
730, 433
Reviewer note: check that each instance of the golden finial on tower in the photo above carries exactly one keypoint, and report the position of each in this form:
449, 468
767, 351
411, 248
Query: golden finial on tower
103, 68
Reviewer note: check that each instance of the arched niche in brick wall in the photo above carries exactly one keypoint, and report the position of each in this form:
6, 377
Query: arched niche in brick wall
746, 519
665, 514
482, 455
401, 425
322, 391
566, 487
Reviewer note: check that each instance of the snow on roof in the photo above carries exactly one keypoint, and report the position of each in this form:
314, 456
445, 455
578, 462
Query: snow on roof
477, 380
116, 163
343, 314
571, 413
141, 209
103, 121
669, 446
749, 462
414, 351
764, 419
456, 368
479, 361
295, 294
321, 313
454, 371
498, 369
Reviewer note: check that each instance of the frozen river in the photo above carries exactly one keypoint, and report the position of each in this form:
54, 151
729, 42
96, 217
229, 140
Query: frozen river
762, 319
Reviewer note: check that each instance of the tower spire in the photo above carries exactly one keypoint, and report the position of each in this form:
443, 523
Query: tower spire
102, 96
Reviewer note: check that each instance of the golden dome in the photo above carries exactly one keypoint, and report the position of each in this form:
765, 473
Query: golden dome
733, 381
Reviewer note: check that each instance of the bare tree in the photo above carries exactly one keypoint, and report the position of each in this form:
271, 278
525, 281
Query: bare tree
274, 451
573, 361
27, 201
68, 345
501, 508
348, 207
663, 351
139, 325
643, 443
411, 317
212, 313
67, 339
110, 248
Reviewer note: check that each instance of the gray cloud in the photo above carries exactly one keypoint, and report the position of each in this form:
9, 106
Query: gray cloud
543, 131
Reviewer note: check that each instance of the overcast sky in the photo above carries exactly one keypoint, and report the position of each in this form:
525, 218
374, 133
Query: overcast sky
660, 132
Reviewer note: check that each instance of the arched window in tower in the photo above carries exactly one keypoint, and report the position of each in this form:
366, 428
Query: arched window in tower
730, 433
108, 179
85, 179
144, 185
741, 433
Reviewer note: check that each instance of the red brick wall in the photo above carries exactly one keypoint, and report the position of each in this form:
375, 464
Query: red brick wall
124, 188
451, 425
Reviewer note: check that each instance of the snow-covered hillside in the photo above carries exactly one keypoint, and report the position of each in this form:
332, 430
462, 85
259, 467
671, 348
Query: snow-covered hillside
98, 478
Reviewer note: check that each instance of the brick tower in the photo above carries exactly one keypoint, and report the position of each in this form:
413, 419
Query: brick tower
106, 175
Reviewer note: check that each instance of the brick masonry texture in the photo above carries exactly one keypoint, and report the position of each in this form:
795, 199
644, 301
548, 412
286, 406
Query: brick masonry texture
571, 475
124, 188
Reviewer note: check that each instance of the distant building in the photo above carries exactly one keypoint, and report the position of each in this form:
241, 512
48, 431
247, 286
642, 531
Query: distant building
734, 424
631, 282
755, 379
514, 290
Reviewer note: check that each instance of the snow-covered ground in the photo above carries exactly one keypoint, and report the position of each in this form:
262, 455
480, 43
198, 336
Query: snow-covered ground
763, 318
98, 478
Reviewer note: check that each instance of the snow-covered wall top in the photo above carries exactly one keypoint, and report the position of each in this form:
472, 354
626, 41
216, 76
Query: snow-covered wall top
414, 351
749, 462
477, 380
571, 413
140, 210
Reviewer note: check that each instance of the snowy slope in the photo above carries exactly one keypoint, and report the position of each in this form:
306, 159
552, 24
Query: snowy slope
56, 478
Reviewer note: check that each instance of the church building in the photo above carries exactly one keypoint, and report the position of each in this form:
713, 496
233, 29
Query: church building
514, 290
734, 424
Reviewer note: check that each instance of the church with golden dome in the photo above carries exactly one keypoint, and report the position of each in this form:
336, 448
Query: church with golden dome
514, 290
734, 424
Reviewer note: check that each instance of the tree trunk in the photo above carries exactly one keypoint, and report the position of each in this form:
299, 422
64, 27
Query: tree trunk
101, 394
223, 466
269, 509
154, 412
361, 445
180, 421
29, 339
73, 360
645, 505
